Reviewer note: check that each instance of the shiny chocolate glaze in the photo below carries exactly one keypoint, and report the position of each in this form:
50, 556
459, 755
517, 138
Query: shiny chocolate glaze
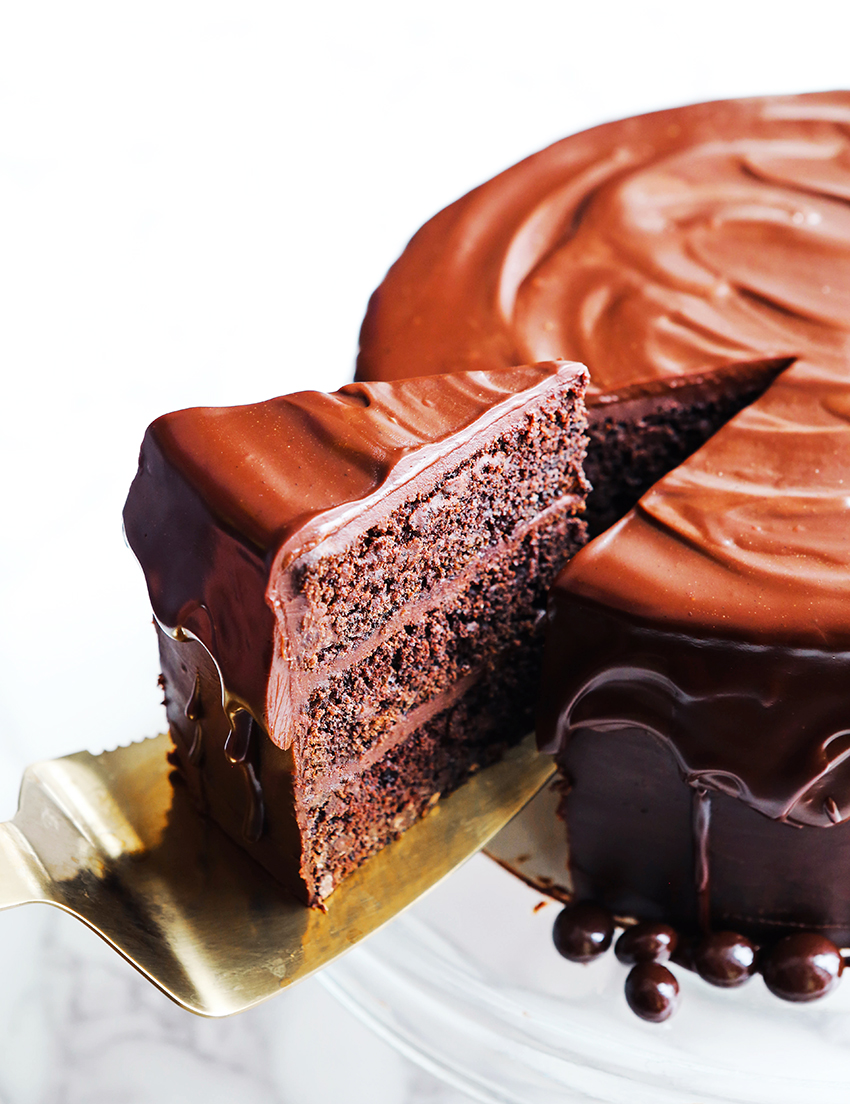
700, 650
764, 724
646, 248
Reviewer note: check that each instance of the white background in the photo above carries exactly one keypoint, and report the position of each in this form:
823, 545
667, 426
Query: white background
196, 200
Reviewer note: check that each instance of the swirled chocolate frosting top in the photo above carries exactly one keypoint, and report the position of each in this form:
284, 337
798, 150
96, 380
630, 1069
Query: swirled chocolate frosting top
662, 246
225, 499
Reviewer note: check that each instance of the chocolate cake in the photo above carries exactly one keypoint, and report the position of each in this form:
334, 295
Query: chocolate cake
350, 590
699, 651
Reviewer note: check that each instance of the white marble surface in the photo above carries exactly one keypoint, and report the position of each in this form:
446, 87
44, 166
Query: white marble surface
196, 199
78, 1026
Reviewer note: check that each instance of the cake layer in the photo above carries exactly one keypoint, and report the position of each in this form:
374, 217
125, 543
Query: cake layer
374, 806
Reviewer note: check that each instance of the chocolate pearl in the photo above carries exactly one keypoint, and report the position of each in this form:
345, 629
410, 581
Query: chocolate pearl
803, 967
646, 942
583, 931
725, 958
652, 992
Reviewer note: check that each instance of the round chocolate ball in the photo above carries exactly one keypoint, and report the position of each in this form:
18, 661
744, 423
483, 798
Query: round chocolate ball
646, 942
802, 967
583, 931
725, 958
652, 992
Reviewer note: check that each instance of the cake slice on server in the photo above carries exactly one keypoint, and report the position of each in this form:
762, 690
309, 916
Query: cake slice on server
350, 589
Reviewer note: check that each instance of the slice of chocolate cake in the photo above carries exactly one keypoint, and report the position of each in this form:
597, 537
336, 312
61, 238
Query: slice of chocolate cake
350, 590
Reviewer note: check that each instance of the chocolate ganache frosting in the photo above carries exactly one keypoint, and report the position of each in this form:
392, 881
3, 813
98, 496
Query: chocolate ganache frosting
699, 651
646, 248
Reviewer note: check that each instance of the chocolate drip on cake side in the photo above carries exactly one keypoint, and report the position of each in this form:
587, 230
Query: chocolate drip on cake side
194, 712
702, 869
238, 746
644, 738
237, 795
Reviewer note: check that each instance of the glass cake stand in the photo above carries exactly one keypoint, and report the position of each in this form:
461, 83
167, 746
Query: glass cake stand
468, 984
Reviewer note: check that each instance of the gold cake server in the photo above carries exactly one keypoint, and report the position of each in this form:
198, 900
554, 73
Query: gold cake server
110, 839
